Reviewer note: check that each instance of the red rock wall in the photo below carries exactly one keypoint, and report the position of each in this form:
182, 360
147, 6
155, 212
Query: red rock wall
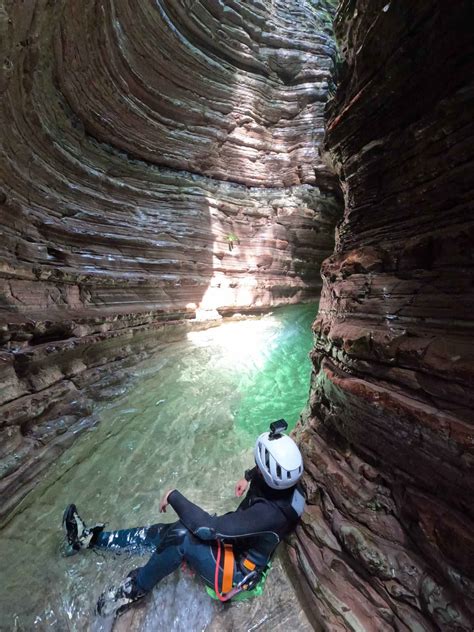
388, 540
136, 139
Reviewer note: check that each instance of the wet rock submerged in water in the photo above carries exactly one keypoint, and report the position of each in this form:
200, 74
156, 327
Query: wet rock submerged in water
159, 161
387, 543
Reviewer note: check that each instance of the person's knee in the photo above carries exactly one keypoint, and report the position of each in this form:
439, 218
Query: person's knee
173, 535
154, 531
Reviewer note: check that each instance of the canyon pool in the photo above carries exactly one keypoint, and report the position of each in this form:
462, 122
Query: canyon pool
187, 419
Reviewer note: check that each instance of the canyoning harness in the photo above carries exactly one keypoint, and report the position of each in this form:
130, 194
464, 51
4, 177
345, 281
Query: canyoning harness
250, 586
253, 583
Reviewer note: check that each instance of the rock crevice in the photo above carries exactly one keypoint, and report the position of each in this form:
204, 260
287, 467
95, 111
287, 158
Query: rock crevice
387, 542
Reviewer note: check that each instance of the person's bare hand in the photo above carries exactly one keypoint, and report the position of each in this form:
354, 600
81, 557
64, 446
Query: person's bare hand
164, 501
241, 487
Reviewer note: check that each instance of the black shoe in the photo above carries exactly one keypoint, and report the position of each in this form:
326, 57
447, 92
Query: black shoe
114, 601
77, 534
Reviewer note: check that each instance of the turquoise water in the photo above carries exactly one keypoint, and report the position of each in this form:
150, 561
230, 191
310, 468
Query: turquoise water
269, 364
189, 421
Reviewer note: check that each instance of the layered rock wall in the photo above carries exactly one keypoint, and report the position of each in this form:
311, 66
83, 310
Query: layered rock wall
158, 159
388, 540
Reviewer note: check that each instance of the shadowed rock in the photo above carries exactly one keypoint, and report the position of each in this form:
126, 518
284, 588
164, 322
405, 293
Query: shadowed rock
387, 542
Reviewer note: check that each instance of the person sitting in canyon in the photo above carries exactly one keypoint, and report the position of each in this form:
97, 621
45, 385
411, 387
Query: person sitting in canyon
230, 552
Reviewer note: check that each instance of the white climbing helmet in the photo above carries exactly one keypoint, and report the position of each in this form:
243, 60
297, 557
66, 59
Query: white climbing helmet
279, 460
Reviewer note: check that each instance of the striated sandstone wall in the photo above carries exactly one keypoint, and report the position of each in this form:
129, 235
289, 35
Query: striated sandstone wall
136, 140
388, 540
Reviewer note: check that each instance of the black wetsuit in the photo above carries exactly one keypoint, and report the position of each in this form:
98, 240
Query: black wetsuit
263, 518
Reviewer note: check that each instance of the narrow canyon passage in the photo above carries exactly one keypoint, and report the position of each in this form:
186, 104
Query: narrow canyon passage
165, 164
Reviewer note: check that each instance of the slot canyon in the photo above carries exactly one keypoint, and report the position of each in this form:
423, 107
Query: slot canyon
171, 165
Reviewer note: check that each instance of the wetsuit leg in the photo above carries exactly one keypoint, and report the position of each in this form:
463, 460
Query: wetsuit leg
159, 566
175, 544
168, 556
129, 539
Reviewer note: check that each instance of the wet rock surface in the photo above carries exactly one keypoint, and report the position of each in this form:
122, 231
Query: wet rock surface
158, 161
277, 609
387, 541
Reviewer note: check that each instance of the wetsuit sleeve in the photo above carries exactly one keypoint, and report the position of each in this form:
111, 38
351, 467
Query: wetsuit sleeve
261, 517
249, 474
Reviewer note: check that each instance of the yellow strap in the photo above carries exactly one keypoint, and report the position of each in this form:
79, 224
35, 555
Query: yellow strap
228, 570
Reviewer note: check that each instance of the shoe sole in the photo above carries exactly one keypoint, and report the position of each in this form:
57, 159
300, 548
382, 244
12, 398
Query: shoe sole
68, 518
68, 512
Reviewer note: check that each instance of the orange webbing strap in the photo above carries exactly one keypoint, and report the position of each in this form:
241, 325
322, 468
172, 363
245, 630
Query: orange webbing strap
248, 564
228, 570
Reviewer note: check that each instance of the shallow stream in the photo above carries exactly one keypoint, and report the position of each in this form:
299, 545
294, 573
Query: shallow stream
188, 421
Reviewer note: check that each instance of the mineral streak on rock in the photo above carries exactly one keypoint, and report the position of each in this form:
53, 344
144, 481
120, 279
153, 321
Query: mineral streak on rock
158, 159
388, 540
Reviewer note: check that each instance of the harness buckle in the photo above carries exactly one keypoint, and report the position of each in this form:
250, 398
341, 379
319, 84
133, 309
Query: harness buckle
249, 581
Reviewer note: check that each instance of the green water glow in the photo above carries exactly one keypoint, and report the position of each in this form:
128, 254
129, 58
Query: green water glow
189, 421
